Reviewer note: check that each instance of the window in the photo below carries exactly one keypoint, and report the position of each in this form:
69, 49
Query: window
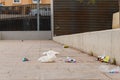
35, 1
16, 1
1, 4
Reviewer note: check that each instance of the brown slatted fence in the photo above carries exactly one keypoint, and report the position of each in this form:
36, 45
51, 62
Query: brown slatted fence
72, 16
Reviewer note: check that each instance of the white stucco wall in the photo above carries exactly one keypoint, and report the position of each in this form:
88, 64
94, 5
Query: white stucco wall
99, 42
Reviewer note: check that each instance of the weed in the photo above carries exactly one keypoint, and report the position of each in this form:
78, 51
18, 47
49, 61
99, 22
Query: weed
114, 61
91, 53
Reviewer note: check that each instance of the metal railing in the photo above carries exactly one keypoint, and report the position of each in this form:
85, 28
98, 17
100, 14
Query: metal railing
23, 18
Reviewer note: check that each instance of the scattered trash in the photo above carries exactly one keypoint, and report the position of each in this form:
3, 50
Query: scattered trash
65, 46
115, 70
99, 58
50, 56
70, 60
47, 58
50, 52
106, 59
105, 68
103, 58
25, 59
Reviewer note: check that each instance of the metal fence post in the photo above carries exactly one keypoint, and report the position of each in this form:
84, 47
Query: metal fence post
38, 17
52, 18
119, 11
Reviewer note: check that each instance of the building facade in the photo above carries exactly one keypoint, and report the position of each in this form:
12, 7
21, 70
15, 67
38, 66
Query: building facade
22, 2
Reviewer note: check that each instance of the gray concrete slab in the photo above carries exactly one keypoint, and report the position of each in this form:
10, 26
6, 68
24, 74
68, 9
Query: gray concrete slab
12, 67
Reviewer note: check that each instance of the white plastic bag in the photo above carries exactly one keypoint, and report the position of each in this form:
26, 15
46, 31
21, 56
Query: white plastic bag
50, 52
47, 58
50, 56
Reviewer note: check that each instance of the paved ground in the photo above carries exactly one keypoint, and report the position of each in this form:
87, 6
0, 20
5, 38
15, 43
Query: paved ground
12, 67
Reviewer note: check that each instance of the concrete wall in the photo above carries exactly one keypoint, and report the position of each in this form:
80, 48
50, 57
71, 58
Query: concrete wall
115, 21
25, 35
100, 42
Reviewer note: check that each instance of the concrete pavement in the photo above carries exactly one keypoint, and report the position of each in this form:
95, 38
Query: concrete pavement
12, 67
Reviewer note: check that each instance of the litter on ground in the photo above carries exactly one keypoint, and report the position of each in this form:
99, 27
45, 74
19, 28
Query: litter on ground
106, 59
115, 70
65, 46
106, 68
70, 60
50, 52
24, 59
50, 56
103, 58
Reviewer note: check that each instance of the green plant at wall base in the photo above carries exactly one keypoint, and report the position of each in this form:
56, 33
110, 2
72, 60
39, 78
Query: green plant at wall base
91, 53
114, 61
